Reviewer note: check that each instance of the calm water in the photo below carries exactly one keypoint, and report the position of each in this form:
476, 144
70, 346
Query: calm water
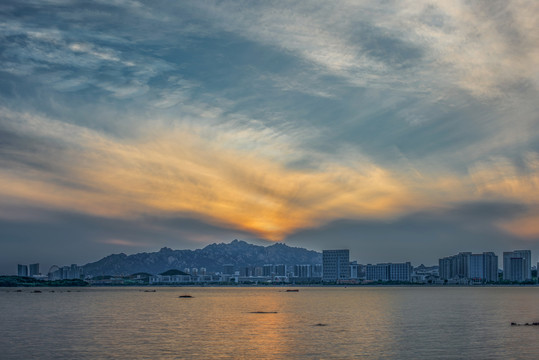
217, 323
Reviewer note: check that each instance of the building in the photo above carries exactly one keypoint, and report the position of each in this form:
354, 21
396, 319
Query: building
479, 268
517, 265
268, 270
335, 265
378, 272
400, 272
22, 270
317, 271
228, 269
246, 271
34, 270
303, 271
389, 272
170, 279
280, 270
354, 270
490, 267
456, 266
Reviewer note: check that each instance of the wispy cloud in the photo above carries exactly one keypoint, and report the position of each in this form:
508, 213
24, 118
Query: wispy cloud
234, 182
441, 44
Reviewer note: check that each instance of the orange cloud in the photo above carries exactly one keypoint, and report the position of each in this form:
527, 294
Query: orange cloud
218, 180
240, 182
525, 227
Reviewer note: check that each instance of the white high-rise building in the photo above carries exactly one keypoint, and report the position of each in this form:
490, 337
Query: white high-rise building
335, 265
517, 265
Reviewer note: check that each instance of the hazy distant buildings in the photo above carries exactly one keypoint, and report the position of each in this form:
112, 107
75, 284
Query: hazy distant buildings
303, 271
34, 269
354, 270
65, 272
389, 272
228, 269
22, 270
335, 265
469, 267
517, 265
280, 270
268, 270
378, 272
400, 272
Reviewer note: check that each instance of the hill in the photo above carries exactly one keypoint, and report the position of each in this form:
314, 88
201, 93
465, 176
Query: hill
212, 257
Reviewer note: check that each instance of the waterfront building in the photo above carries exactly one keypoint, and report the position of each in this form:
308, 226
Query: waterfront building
22, 270
354, 273
378, 272
34, 270
400, 272
228, 269
280, 270
517, 265
490, 267
389, 272
303, 271
456, 266
472, 267
335, 265
74, 272
259, 271
246, 271
170, 279
268, 270
317, 271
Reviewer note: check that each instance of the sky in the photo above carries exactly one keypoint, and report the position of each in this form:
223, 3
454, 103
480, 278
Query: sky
402, 130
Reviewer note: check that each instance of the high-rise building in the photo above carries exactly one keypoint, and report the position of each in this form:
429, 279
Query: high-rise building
490, 267
517, 265
22, 270
335, 265
246, 271
465, 265
303, 271
268, 270
259, 271
228, 269
280, 270
34, 269
317, 271
354, 273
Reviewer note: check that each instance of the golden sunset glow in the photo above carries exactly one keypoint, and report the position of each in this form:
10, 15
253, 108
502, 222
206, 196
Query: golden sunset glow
358, 124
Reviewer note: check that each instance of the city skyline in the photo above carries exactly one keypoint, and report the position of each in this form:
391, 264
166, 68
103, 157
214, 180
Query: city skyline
337, 263
403, 131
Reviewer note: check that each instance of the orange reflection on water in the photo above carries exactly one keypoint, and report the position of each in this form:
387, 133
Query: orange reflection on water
261, 329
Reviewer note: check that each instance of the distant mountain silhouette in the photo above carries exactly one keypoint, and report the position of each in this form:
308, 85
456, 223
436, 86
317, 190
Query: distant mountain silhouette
212, 257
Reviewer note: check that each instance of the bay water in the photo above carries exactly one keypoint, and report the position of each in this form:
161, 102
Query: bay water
269, 323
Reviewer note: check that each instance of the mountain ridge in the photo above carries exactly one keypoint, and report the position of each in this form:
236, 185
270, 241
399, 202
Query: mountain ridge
212, 257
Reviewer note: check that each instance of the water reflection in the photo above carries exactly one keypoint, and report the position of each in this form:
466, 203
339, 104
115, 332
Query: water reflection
219, 323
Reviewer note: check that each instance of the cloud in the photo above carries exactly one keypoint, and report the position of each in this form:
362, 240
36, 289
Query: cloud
123, 242
416, 45
501, 178
180, 172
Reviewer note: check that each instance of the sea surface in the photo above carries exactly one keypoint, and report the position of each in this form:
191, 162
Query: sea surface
269, 323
